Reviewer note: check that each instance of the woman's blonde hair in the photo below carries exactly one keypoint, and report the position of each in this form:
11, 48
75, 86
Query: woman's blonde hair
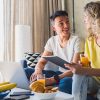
93, 10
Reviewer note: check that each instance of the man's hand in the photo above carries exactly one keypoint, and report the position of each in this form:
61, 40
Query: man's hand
34, 76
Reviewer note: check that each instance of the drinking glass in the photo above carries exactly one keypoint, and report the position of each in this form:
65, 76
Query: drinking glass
84, 60
41, 78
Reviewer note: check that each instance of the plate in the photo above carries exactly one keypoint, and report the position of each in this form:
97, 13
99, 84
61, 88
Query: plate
45, 96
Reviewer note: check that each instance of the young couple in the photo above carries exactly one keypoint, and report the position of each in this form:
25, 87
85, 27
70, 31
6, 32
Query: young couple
68, 47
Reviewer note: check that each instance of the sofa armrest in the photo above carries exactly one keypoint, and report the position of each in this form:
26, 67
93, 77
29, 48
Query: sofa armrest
24, 63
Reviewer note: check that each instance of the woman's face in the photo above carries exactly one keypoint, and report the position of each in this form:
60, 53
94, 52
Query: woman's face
87, 20
96, 26
61, 25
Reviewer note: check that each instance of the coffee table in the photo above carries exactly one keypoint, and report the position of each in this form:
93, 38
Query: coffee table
59, 96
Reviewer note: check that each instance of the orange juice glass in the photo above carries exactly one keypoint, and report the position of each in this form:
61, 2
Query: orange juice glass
41, 78
84, 60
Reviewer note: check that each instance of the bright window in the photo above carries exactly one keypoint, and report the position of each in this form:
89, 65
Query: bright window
1, 31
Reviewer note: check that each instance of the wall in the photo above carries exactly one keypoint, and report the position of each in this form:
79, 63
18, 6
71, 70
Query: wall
79, 15
69, 8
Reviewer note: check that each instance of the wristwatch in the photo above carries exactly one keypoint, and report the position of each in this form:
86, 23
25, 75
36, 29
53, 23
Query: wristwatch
57, 79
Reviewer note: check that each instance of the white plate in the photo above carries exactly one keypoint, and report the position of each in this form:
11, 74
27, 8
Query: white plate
46, 96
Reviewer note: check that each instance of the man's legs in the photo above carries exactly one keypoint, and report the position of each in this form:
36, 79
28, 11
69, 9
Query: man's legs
48, 73
65, 85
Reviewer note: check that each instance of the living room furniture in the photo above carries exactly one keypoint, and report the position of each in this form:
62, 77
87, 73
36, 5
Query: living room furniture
25, 65
59, 96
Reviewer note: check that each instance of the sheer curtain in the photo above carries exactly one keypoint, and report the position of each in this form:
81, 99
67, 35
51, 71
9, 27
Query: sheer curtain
15, 12
7, 36
1, 30
34, 13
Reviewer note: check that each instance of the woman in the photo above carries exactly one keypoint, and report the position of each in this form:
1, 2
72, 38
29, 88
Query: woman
87, 79
65, 46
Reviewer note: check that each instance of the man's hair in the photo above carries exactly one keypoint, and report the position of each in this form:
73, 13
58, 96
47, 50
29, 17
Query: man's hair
58, 13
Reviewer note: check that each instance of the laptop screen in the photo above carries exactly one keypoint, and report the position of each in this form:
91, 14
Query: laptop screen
14, 72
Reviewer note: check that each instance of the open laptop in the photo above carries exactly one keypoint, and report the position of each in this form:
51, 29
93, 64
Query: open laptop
14, 72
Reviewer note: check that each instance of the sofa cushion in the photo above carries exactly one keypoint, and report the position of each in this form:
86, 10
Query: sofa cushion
24, 63
32, 59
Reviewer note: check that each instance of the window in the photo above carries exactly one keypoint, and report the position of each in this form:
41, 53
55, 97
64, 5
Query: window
1, 30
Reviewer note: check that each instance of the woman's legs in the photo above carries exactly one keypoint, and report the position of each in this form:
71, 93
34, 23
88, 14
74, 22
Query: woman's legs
83, 85
79, 87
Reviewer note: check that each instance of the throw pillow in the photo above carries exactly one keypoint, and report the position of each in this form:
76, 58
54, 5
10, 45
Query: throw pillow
32, 59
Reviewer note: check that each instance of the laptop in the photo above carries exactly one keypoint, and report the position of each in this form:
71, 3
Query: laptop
14, 72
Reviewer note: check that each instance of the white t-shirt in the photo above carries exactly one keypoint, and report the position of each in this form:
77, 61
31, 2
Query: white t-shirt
74, 45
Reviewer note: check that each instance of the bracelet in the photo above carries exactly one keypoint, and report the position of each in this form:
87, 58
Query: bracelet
57, 79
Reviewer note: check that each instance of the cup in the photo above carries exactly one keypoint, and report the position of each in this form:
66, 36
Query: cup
84, 60
41, 78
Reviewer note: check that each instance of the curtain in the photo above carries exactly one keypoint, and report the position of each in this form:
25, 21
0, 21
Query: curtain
8, 32
1, 30
42, 30
34, 13
15, 12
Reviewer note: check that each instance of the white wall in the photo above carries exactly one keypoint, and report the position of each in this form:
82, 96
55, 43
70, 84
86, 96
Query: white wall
70, 12
79, 15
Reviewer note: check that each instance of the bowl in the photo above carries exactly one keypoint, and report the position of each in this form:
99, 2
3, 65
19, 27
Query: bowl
4, 94
42, 92
45, 96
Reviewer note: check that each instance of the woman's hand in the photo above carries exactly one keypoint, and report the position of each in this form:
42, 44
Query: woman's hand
76, 68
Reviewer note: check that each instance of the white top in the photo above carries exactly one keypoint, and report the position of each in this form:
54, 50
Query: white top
74, 45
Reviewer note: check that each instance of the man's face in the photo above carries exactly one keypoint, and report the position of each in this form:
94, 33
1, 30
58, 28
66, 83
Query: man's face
61, 25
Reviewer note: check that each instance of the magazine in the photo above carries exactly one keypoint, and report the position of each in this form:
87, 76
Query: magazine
56, 60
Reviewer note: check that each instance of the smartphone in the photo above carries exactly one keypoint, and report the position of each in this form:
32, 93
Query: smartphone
20, 97
21, 93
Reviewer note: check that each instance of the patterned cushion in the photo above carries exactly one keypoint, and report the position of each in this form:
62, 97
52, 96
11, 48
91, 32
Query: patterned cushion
32, 59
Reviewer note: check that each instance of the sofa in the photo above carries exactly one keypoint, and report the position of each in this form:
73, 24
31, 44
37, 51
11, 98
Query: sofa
47, 67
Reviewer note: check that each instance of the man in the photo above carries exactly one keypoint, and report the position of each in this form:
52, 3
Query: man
63, 45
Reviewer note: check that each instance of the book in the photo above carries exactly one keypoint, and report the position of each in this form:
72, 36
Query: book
56, 60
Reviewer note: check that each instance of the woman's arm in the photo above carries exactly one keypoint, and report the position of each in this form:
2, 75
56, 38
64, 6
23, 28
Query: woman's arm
79, 69
76, 58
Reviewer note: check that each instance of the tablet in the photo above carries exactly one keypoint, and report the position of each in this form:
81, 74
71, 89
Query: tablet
56, 60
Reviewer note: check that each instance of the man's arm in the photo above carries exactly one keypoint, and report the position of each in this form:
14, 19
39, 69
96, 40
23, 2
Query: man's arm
42, 62
40, 66
68, 73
